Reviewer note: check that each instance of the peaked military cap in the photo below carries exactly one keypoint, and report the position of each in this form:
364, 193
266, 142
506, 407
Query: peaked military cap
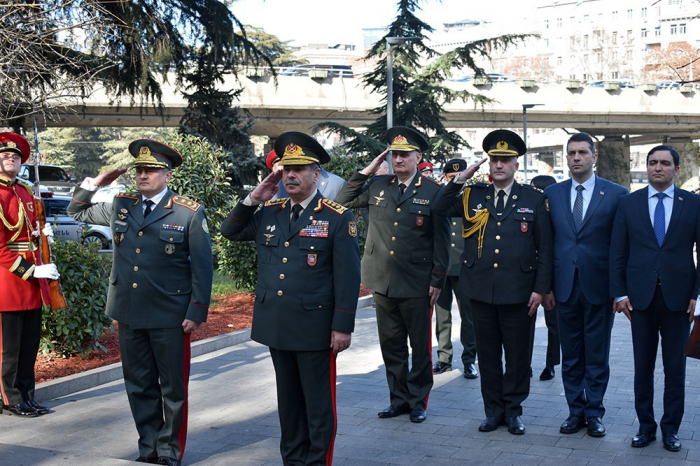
272, 159
154, 154
13, 142
454, 166
405, 139
295, 148
503, 143
425, 167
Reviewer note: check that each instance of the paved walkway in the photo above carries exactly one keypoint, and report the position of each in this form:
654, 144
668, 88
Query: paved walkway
233, 417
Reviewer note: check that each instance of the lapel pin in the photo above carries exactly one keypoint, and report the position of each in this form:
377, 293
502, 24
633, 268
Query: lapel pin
602, 193
680, 198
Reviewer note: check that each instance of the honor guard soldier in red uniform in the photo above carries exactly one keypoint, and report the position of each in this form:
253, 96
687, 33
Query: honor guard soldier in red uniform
159, 291
21, 282
306, 295
506, 271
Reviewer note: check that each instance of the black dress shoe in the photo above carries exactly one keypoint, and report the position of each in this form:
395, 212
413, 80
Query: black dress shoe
147, 459
672, 442
168, 461
547, 373
573, 424
642, 439
515, 425
470, 372
491, 423
595, 427
440, 367
417, 415
393, 411
39, 409
22, 409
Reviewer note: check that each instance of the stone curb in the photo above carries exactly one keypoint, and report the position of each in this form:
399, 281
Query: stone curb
84, 380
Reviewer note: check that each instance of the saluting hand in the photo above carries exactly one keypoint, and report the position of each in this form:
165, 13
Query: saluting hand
267, 187
472, 169
106, 178
374, 165
340, 341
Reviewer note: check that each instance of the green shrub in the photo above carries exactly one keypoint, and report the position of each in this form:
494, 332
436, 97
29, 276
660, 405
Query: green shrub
84, 281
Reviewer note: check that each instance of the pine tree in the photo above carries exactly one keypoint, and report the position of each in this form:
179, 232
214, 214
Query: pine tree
419, 93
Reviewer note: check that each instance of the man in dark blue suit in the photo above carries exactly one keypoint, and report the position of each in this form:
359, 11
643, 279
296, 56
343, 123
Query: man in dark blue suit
655, 280
582, 211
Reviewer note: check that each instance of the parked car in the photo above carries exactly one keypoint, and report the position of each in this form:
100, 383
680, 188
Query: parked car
52, 177
668, 84
491, 77
67, 229
334, 71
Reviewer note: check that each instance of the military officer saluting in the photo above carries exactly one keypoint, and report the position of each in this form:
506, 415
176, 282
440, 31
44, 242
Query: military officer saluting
506, 270
159, 291
306, 295
405, 264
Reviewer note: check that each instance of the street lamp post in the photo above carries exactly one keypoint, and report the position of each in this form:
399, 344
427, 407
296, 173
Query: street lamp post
525, 107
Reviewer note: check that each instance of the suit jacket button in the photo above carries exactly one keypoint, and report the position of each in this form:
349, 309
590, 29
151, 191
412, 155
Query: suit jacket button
498, 237
497, 251
393, 238
391, 253
280, 293
286, 244
454, 223
140, 233
498, 224
281, 276
135, 285
454, 234
453, 245
396, 224
138, 251
284, 260
398, 209
495, 266
136, 268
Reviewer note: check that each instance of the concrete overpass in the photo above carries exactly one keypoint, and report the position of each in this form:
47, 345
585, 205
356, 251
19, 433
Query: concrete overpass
299, 103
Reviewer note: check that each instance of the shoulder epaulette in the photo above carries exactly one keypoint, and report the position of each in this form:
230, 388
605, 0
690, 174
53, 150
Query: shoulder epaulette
426, 178
273, 202
25, 185
478, 185
331, 205
186, 202
132, 196
528, 186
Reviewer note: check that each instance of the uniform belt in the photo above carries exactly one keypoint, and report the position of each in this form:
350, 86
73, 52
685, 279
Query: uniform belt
21, 246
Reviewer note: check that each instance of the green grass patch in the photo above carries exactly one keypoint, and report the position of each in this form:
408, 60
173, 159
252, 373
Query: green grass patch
223, 285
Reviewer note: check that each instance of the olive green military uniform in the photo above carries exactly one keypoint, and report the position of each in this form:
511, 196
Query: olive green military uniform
161, 275
406, 253
505, 259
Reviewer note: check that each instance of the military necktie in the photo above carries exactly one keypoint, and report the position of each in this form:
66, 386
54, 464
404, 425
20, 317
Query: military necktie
578, 207
402, 188
501, 202
149, 207
296, 210
660, 218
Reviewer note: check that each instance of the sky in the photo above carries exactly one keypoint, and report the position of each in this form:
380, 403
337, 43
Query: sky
341, 21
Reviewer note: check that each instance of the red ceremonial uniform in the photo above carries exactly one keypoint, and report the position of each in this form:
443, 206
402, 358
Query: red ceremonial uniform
20, 291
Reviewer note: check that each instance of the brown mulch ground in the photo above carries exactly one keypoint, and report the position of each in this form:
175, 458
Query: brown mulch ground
228, 314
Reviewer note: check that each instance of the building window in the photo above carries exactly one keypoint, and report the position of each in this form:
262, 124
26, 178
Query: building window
585, 40
674, 29
598, 57
558, 22
681, 29
546, 42
558, 60
644, 32
629, 35
615, 75
614, 15
657, 31
546, 24
613, 39
629, 14
644, 12
585, 17
585, 58
573, 42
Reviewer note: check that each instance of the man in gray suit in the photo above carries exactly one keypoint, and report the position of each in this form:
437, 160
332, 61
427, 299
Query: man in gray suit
159, 291
404, 263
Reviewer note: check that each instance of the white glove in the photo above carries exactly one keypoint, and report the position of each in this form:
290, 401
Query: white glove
46, 271
48, 232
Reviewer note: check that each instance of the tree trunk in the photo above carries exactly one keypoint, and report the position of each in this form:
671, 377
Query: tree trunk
614, 160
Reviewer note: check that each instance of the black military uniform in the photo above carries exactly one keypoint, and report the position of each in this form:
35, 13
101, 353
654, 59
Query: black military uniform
161, 275
406, 253
443, 306
506, 258
308, 286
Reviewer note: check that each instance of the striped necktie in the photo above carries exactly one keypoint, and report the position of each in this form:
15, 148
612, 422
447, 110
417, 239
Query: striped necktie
578, 207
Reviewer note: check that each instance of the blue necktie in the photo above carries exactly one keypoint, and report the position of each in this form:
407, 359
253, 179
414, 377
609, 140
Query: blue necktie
578, 207
660, 218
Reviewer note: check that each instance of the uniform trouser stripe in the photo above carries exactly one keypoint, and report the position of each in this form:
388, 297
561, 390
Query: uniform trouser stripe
20, 335
156, 371
306, 402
